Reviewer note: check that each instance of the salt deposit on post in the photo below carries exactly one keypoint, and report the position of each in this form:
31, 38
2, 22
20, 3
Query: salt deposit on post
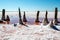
45, 21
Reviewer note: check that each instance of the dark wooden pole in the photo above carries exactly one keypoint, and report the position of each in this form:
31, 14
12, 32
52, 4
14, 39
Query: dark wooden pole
56, 13
3, 15
20, 19
45, 21
8, 19
24, 17
37, 17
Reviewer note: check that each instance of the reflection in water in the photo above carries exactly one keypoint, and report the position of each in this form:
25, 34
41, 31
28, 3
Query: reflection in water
15, 19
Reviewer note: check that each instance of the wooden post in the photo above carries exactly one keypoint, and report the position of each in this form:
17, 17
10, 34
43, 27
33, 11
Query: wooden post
37, 18
56, 13
46, 17
7, 19
45, 21
24, 18
20, 19
3, 15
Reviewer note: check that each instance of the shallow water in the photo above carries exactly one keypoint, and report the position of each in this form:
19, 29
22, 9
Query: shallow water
30, 20
30, 15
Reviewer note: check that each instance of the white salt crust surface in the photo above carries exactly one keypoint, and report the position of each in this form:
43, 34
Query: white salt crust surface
33, 32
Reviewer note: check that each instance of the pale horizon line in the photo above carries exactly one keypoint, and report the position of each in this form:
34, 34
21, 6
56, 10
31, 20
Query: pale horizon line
29, 11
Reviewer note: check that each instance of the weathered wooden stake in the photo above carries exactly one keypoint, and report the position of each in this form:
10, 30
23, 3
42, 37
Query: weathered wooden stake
20, 19
8, 19
24, 17
3, 15
56, 13
45, 22
37, 18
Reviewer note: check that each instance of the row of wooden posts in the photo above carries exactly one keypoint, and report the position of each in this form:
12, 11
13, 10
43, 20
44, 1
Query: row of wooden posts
3, 19
7, 19
37, 18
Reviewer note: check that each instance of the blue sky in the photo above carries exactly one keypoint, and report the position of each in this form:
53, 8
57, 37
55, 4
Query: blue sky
29, 5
